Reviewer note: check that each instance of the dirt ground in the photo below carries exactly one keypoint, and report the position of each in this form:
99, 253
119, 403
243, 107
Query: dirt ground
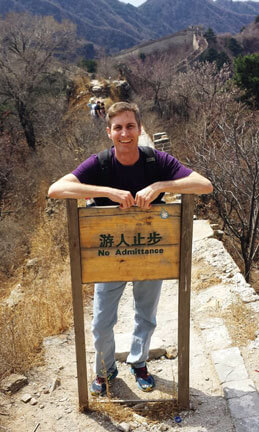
56, 409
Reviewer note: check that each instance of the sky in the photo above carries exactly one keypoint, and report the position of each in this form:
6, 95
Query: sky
139, 2
134, 2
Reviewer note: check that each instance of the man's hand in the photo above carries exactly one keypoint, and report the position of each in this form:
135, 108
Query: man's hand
145, 196
124, 198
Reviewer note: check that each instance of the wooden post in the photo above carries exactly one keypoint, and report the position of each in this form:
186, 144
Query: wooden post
75, 265
184, 300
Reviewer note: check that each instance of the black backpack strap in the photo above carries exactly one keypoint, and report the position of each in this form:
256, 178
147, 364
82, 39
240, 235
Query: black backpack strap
151, 169
105, 160
151, 166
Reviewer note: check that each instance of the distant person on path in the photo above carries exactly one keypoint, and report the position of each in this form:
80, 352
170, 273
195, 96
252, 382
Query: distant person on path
102, 110
92, 105
127, 187
97, 110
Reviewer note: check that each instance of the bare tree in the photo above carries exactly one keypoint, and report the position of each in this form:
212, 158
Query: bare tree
28, 45
218, 137
152, 77
226, 149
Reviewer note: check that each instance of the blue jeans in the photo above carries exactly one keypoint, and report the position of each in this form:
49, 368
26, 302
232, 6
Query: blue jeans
106, 301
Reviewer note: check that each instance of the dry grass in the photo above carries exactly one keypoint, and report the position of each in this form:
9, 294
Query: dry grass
152, 412
203, 276
45, 307
240, 323
238, 318
23, 327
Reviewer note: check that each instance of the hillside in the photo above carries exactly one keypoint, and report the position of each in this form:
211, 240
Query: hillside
240, 7
169, 16
112, 25
118, 26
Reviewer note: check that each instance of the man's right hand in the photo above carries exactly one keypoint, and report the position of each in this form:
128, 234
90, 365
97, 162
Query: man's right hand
124, 198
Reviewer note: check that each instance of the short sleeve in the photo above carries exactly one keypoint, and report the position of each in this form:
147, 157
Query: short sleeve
170, 167
88, 172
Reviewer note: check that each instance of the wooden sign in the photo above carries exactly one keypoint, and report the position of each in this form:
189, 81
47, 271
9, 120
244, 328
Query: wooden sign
119, 245
109, 244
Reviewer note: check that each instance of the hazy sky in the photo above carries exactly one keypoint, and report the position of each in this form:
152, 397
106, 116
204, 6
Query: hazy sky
139, 2
134, 2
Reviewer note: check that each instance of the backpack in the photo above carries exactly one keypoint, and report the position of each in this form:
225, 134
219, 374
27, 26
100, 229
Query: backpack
151, 172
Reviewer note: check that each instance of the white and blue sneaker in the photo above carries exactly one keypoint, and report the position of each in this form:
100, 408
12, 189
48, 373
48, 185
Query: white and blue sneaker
144, 380
98, 387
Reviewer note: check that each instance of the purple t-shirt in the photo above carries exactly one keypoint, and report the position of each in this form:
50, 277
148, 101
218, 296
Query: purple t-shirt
131, 178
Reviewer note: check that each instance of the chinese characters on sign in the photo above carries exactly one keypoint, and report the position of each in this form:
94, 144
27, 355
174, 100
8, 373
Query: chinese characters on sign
107, 241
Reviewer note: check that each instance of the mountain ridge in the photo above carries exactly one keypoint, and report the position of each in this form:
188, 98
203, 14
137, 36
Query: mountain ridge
114, 26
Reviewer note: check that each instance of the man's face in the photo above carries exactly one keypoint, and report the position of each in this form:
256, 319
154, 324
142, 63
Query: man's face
124, 132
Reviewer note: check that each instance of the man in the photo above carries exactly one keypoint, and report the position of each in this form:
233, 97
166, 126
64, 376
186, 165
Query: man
128, 186
97, 109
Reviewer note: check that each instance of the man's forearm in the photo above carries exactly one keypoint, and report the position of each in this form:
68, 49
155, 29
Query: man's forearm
68, 189
193, 184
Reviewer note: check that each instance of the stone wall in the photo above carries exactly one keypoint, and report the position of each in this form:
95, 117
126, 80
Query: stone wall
162, 142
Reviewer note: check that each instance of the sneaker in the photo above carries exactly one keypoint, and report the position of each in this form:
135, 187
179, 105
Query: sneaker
98, 387
144, 380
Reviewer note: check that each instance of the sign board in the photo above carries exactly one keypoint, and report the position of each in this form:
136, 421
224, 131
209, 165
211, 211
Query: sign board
119, 245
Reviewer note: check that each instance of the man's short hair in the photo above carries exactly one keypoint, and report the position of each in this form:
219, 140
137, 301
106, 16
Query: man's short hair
120, 107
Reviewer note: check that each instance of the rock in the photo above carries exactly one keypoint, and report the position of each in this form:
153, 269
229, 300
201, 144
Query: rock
133, 424
124, 427
97, 90
64, 399
32, 262
163, 427
26, 398
140, 406
13, 383
68, 410
15, 296
157, 347
171, 352
56, 383
34, 401
219, 234
123, 88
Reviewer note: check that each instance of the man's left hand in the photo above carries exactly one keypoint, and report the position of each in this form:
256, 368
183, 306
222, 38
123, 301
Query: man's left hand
145, 196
